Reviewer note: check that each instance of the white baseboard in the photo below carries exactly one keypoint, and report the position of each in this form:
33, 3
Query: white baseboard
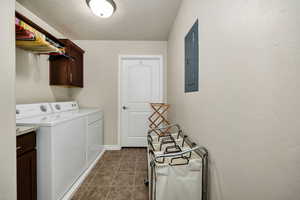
112, 147
80, 180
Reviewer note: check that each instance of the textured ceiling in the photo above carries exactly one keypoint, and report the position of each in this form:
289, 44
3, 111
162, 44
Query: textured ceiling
133, 20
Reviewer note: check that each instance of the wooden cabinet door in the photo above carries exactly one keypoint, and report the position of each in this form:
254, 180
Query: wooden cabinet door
26, 176
76, 68
59, 74
68, 71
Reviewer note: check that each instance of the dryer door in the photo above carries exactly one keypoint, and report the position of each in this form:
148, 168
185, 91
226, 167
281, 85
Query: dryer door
95, 140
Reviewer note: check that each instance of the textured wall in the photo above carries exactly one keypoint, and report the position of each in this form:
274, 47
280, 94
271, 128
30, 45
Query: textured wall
247, 110
7, 102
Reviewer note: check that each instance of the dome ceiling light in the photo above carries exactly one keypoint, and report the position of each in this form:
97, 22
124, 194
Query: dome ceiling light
102, 8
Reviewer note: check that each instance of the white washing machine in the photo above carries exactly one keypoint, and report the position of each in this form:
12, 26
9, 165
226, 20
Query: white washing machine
64, 150
94, 126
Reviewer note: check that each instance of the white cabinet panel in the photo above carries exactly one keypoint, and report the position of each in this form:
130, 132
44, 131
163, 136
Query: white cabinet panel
94, 140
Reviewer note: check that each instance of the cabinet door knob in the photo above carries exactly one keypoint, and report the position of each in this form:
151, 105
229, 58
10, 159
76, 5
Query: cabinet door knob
124, 108
18, 148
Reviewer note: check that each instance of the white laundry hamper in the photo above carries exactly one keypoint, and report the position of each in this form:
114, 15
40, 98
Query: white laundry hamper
178, 182
178, 175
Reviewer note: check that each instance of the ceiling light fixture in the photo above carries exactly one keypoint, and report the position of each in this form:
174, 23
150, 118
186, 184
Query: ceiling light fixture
102, 8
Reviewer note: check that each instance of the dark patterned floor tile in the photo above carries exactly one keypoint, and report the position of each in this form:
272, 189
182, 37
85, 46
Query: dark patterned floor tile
120, 193
118, 175
140, 193
141, 167
103, 180
127, 166
123, 179
96, 193
139, 178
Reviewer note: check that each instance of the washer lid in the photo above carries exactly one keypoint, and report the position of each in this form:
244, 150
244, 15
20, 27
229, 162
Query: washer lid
49, 120
32, 110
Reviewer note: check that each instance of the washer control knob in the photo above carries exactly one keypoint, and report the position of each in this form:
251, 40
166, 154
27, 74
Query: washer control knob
43, 108
57, 106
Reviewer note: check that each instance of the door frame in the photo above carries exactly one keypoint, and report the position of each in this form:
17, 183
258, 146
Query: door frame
161, 78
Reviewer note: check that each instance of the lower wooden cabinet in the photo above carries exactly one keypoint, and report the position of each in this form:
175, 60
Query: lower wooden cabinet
26, 167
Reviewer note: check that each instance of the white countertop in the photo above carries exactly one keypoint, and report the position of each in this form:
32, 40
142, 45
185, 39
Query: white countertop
21, 130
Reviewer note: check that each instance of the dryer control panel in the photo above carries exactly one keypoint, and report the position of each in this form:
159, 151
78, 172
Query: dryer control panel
64, 106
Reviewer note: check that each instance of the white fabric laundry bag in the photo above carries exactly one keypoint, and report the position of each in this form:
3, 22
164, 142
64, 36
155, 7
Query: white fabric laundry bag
180, 182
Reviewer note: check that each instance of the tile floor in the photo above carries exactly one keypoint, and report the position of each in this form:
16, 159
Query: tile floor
118, 175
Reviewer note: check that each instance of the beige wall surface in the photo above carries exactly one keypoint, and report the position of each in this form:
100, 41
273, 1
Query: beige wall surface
7, 102
247, 110
32, 80
101, 77
32, 71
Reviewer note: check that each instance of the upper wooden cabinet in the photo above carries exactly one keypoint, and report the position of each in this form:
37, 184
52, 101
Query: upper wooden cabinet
67, 71
66, 58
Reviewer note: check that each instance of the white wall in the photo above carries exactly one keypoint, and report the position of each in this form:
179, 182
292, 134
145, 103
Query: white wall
32, 71
101, 76
7, 102
247, 110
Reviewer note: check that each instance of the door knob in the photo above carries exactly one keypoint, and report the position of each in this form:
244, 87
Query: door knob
124, 107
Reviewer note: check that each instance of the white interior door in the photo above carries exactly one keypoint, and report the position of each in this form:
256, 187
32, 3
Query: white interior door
141, 83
